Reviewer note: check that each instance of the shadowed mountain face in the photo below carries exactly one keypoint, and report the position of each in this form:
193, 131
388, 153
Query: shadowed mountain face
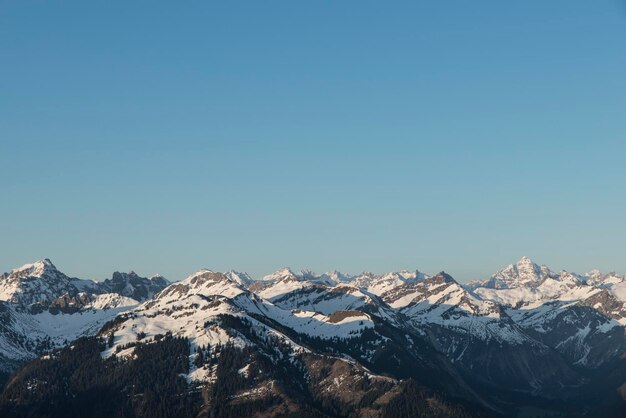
526, 339
133, 286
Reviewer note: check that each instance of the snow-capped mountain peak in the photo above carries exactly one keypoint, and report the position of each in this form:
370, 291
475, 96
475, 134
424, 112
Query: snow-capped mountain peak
35, 283
37, 269
596, 277
243, 279
594, 274
521, 274
204, 282
525, 270
40, 285
283, 274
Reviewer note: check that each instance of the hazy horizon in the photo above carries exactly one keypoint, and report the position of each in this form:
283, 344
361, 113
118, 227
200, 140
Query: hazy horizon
353, 136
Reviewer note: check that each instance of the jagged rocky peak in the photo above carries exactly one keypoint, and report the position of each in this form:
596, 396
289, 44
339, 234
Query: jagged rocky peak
35, 283
205, 276
69, 303
525, 269
122, 277
39, 268
129, 274
158, 279
527, 275
133, 286
442, 277
523, 273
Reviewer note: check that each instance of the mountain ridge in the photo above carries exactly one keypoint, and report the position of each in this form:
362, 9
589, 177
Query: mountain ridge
530, 331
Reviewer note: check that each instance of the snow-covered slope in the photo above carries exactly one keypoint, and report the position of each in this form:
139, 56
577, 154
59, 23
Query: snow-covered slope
43, 308
196, 307
525, 285
243, 279
526, 323
440, 300
25, 335
326, 299
582, 316
582, 334
286, 280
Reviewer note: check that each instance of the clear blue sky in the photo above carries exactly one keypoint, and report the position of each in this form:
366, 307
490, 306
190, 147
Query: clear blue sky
357, 135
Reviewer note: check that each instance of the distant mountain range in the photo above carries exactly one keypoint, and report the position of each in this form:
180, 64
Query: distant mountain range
527, 341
